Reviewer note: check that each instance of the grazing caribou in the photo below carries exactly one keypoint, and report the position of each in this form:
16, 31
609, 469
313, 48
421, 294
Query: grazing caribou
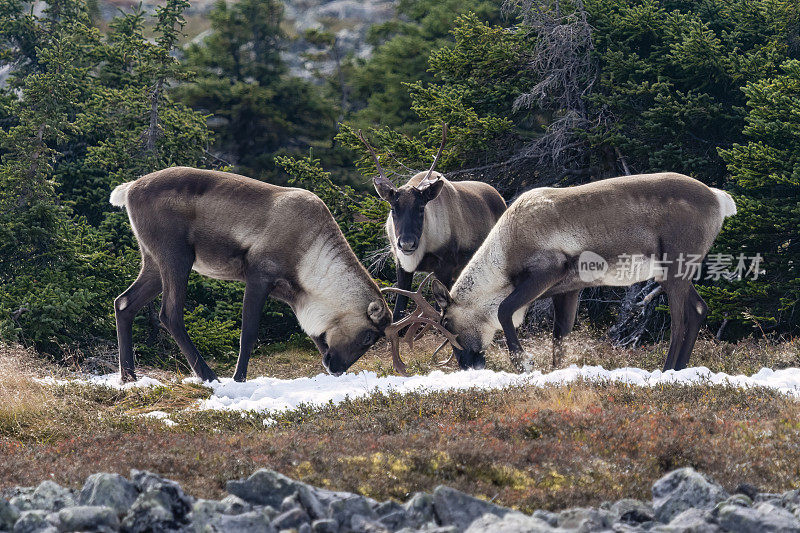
435, 225
554, 242
230, 227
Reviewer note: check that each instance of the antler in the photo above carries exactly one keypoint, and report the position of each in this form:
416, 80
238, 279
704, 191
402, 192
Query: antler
419, 321
382, 177
425, 183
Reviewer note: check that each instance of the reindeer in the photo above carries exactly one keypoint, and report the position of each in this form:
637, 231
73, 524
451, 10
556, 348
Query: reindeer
435, 225
231, 227
554, 242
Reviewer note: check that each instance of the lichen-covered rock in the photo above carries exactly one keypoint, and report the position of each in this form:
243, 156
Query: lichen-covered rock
47, 496
549, 517
264, 487
235, 505
512, 522
362, 524
764, 517
88, 518
419, 509
109, 490
684, 489
9, 515
453, 507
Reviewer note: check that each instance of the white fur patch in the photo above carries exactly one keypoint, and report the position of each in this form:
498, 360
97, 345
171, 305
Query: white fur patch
119, 196
122, 303
727, 206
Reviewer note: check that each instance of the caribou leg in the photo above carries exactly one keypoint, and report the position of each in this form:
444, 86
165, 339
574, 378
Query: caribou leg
403, 282
565, 308
140, 293
174, 278
255, 295
676, 297
695, 312
533, 284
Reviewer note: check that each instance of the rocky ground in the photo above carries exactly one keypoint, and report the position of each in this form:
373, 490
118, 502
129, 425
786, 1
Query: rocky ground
683, 501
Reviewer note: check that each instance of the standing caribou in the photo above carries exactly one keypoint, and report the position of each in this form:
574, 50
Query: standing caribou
230, 227
435, 225
554, 242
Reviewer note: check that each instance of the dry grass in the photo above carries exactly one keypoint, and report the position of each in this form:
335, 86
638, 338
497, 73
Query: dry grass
526, 447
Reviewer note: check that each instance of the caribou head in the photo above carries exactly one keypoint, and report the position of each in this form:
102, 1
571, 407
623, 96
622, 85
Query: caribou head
408, 201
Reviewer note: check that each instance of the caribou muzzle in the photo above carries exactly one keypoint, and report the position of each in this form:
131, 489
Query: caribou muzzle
418, 322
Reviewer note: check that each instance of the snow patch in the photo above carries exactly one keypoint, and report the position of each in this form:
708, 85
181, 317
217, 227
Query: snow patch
107, 380
160, 415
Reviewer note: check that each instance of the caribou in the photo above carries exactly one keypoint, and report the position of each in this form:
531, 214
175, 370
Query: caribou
231, 227
556, 241
435, 225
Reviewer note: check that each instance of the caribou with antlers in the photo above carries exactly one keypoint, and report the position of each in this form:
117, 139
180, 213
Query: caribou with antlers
231, 227
435, 225
554, 242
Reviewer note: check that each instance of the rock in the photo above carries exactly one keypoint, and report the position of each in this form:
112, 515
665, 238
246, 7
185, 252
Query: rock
429, 527
235, 505
742, 500
748, 490
547, 516
305, 528
249, 522
290, 502
389, 507
291, 519
362, 524
629, 511
453, 507
48, 496
311, 503
344, 509
683, 489
764, 517
9, 515
512, 522
689, 521
584, 519
34, 521
88, 518
419, 509
109, 490
161, 505
395, 520
264, 487
325, 525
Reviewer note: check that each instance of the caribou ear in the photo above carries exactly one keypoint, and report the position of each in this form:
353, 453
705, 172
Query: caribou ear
433, 190
379, 313
385, 188
441, 294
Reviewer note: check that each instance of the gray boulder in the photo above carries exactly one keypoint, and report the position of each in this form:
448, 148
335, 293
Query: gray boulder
764, 517
512, 522
249, 522
689, 521
630, 511
47, 496
161, 505
343, 510
291, 519
362, 524
311, 503
584, 519
88, 518
683, 489
453, 507
235, 505
419, 509
325, 525
549, 517
109, 490
34, 522
9, 515
264, 487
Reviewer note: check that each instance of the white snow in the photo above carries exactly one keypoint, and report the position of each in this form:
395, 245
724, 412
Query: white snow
107, 380
160, 415
273, 395
267, 394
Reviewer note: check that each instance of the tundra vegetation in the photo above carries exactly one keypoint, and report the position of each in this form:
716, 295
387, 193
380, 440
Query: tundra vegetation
535, 94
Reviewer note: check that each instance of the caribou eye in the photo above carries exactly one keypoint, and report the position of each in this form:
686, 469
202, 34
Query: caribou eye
369, 338
446, 323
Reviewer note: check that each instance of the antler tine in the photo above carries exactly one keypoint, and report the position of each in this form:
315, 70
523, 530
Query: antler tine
374, 157
439, 153
422, 304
